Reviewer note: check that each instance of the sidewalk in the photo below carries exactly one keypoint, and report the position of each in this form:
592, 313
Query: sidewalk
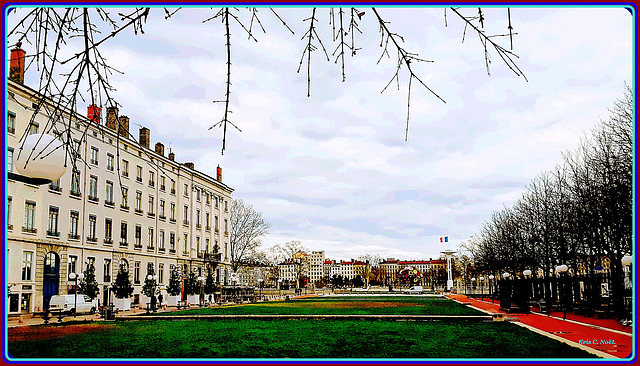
605, 335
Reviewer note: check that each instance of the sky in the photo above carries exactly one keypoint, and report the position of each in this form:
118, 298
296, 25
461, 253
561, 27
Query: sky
333, 170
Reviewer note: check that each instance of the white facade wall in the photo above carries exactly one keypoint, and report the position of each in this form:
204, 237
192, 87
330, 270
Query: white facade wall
148, 250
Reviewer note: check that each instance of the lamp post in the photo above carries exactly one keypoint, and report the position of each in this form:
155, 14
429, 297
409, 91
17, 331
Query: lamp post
260, 281
280, 287
560, 270
153, 281
200, 293
75, 277
491, 277
481, 278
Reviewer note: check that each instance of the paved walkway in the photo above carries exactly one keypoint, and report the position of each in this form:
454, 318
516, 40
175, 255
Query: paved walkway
604, 335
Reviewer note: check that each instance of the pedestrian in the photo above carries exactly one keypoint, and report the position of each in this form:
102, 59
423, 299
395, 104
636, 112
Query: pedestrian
160, 300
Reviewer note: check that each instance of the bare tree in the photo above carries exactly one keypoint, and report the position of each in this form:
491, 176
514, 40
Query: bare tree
247, 228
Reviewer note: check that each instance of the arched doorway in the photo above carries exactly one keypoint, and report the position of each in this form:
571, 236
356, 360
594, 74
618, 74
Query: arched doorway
51, 277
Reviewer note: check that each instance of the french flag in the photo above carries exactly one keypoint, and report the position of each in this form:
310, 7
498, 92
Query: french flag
444, 239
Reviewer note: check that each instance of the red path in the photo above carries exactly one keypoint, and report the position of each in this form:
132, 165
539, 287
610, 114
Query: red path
606, 335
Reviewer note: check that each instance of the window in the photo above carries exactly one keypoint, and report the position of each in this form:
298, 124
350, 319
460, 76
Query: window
161, 273
161, 240
206, 247
186, 190
125, 198
33, 128
27, 266
172, 242
138, 237
198, 195
75, 148
216, 201
162, 180
226, 226
11, 122
136, 272
109, 194
172, 212
151, 204
198, 244
198, 219
150, 244
108, 230
107, 270
152, 179
226, 205
173, 187
55, 186
149, 268
138, 201
162, 209
9, 204
123, 233
93, 188
138, 173
207, 222
53, 221
110, 162
94, 155
73, 227
29, 217
217, 227
185, 220
208, 198
73, 260
10, 160
125, 168
75, 183
92, 228
186, 241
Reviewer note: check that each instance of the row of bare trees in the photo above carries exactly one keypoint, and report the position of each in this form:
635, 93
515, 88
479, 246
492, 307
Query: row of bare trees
579, 214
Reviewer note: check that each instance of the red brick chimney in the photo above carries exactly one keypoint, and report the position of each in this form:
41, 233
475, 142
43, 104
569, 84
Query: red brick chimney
144, 137
159, 148
93, 113
123, 130
172, 156
189, 165
219, 174
16, 69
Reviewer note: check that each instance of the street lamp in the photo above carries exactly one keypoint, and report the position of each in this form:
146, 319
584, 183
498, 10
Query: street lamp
473, 284
560, 270
75, 277
153, 280
491, 277
200, 294
260, 281
481, 287
280, 287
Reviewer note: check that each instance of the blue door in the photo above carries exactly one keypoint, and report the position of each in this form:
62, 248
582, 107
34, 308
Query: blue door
51, 277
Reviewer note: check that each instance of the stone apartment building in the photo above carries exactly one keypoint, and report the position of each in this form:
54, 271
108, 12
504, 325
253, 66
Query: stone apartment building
123, 204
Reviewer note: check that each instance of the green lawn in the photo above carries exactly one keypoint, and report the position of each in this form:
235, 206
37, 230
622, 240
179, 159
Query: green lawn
360, 305
298, 339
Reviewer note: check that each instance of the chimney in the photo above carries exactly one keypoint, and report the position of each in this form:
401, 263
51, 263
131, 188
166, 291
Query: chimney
172, 156
112, 118
219, 174
93, 113
159, 148
16, 70
144, 137
189, 165
123, 129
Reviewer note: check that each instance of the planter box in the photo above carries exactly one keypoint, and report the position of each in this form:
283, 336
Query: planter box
122, 304
193, 299
173, 300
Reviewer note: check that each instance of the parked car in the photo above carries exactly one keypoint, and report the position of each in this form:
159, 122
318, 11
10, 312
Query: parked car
69, 304
414, 290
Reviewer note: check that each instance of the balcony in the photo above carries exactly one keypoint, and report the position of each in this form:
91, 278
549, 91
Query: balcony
124, 207
208, 228
139, 179
10, 227
162, 188
173, 191
162, 217
11, 129
92, 239
123, 243
137, 246
77, 194
125, 174
152, 184
173, 221
150, 249
151, 215
94, 162
108, 242
30, 230
185, 222
172, 251
56, 189
53, 233
198, 226
109, 204
161, 250
138, 211
94, 199
74, 236
215, 257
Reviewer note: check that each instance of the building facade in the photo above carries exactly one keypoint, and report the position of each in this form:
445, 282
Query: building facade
121, 204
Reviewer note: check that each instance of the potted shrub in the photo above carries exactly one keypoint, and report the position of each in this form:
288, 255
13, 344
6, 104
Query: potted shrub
122, 289
174, 289
192, 288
